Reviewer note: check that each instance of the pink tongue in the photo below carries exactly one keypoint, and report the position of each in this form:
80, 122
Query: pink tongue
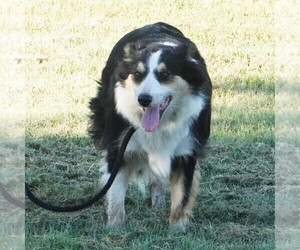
150, 119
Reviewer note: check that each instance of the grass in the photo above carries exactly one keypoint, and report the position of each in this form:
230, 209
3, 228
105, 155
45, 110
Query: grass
287, 129
67, 44
12, 219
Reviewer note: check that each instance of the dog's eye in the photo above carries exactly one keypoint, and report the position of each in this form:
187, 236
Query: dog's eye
164, 76
137, 75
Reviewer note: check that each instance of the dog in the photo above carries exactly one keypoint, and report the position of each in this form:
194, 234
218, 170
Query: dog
156, 81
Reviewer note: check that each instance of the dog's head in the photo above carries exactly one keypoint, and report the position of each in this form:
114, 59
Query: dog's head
161, 82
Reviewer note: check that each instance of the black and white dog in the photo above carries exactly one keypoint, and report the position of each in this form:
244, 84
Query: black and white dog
155, 80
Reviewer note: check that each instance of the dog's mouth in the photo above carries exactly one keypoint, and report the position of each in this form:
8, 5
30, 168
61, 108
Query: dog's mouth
152, 115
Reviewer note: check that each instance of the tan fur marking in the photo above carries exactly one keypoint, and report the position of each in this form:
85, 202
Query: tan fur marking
141, 67
162, 66
179, 214
127, 52
180, 85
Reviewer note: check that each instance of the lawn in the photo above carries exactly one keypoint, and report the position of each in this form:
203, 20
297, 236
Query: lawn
67, 45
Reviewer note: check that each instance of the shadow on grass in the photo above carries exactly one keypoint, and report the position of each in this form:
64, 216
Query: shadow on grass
234, 208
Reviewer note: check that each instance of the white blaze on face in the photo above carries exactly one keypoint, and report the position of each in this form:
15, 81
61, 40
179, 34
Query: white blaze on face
151, 86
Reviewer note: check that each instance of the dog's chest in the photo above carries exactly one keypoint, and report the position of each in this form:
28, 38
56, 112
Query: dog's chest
160, 148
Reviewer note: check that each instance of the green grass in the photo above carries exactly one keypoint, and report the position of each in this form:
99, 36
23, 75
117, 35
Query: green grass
67, 45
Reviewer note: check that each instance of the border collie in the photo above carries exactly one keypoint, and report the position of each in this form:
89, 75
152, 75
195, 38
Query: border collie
156, 81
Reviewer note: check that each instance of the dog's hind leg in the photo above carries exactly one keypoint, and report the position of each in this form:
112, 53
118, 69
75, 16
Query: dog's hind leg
157, 194
184, 188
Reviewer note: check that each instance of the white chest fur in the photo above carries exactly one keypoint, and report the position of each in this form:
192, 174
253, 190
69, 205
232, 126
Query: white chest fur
160, 147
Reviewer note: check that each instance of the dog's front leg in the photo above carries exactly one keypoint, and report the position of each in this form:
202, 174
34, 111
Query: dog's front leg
184, 187
116, 196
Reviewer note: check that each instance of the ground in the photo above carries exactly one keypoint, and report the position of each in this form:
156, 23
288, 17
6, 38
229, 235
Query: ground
67, 44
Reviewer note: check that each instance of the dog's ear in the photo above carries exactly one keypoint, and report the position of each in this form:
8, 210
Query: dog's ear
193, 54
199, 78
133, 49
188, 51
128, 49
195, 72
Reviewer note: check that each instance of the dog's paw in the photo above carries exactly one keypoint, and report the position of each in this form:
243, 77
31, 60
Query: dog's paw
179, 225
117, 219
179, 219
158, 201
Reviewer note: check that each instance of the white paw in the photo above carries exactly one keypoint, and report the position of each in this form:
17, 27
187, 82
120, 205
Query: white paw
116, 219
158, 201
179, 225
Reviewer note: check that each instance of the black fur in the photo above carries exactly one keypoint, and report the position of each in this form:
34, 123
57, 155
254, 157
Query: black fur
185, 166
129, 65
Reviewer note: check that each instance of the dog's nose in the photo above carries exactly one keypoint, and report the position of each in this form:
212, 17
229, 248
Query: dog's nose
145, 99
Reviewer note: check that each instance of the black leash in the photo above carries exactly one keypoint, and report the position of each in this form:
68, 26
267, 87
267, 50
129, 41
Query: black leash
94, 199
